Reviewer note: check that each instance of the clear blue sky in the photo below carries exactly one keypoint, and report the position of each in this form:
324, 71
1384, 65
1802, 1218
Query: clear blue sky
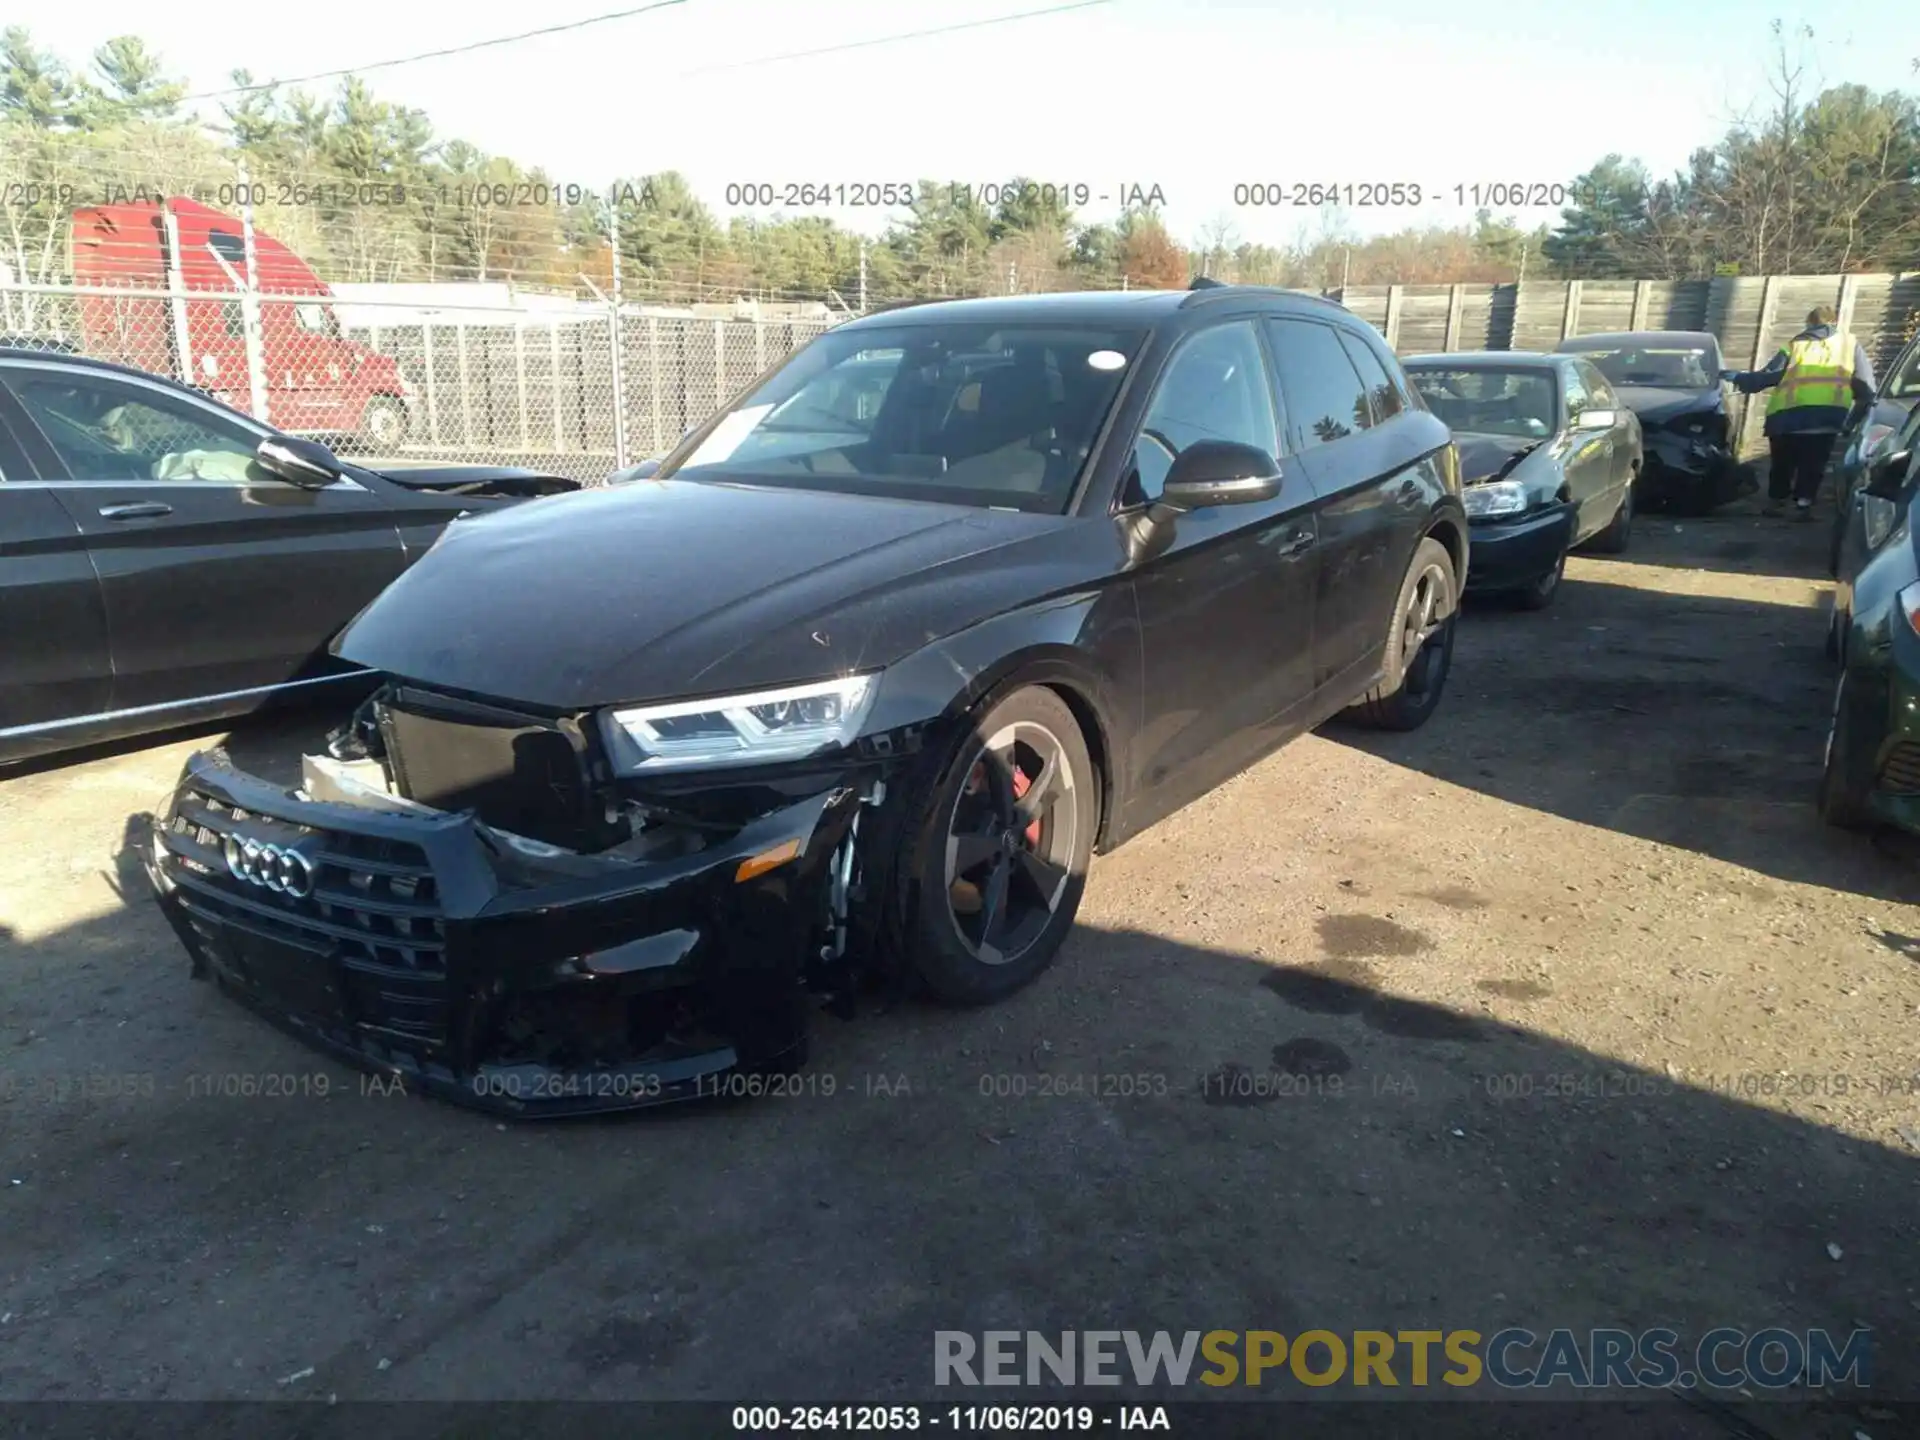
1192, 95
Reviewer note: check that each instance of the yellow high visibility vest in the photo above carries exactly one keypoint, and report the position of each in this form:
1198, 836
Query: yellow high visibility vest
1819, 372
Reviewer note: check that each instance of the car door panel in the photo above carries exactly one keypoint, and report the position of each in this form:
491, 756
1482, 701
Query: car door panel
1374, 501
211, 584
1369, 502
1623, 447
233, 587
1226, 609
54, 664
1588, 464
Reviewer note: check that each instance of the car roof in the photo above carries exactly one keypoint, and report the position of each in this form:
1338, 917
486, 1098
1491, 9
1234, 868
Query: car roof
1483, 360
1088, 307
68, 359
1616, 339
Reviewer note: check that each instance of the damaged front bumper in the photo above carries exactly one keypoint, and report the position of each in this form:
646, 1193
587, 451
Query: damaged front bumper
1690, 473
500, 973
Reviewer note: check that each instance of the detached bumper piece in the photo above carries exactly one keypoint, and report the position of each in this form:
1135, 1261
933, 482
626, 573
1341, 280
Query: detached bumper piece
507, 975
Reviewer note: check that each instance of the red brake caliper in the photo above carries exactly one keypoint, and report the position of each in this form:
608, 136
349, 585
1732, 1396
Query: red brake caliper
1020, 787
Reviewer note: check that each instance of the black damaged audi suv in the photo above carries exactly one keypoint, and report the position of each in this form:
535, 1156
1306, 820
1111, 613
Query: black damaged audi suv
845, 692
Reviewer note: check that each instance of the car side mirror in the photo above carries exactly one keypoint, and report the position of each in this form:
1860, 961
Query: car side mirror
1887, 476
1219, 472
298, 461
1595, 420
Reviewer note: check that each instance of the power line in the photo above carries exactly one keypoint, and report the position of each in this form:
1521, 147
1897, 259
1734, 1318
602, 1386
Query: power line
435, 54
895, 39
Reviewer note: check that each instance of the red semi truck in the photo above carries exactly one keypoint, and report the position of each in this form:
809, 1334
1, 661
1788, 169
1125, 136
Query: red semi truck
316, 380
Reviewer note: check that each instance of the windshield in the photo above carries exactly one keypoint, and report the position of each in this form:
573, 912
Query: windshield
1671, 368
1488, 401
967, 414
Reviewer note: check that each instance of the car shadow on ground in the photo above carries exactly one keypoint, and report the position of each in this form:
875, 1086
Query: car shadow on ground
1693, 720
1156, 1135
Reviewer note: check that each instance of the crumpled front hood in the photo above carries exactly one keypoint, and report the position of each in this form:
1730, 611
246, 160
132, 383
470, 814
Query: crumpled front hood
662, 589
1658, 404
1486, 457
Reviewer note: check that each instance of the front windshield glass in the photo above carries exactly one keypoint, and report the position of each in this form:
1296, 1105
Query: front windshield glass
1667, 367
967, 414
1489, 401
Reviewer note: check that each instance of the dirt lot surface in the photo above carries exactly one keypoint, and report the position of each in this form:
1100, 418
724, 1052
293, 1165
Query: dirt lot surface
1552, 953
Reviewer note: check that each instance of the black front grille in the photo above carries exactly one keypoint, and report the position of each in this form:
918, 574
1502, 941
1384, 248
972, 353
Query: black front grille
1900, 772
374, 907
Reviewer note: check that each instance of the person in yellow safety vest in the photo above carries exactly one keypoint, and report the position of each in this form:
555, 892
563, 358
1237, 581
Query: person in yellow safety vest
1817, 379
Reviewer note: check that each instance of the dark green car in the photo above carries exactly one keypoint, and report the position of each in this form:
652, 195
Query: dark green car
1872, 771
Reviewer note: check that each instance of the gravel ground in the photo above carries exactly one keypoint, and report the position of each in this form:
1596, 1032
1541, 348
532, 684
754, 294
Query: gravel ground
1585, 970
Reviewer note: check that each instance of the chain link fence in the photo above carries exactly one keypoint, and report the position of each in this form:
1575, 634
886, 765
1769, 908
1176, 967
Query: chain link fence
569, 388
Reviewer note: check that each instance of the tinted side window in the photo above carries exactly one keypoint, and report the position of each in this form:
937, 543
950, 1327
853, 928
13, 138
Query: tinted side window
1576, 390
1597, 386
1904, 383
1215, 388
1385, 399
1321, 387
229, 247
108, 430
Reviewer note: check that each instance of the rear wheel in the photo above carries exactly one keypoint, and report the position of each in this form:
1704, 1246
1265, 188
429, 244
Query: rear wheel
1842, 801
1419, 649
1001, 859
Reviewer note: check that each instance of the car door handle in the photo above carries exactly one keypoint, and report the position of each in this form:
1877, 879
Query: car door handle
1295, 543
137, 510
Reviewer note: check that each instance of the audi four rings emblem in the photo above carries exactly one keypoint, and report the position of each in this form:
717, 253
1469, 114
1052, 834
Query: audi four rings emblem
277, 867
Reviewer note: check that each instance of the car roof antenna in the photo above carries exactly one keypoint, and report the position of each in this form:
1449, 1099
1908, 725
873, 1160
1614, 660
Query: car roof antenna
1204, 282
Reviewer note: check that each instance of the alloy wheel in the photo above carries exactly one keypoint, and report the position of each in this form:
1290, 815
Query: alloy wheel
1429, 612
1010, 842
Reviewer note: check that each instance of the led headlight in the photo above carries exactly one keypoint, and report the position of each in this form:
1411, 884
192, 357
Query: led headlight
1497, 497
767, 725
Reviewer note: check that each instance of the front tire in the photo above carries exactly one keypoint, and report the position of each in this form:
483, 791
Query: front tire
1841, 802
1006, 832
1539, 595
1419, 649
383, 424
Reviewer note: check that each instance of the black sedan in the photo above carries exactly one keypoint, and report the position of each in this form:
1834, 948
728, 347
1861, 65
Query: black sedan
842, 694
1671, 380
1549, 458
169, 560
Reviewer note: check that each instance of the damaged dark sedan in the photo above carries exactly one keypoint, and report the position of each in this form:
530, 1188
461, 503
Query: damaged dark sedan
170, 560
1548, 460
838, 701
1671, 380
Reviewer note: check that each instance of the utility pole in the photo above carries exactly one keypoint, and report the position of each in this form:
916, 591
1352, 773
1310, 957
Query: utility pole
1346, 267
1525, 245
1013, 277
613, 327
863, 274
